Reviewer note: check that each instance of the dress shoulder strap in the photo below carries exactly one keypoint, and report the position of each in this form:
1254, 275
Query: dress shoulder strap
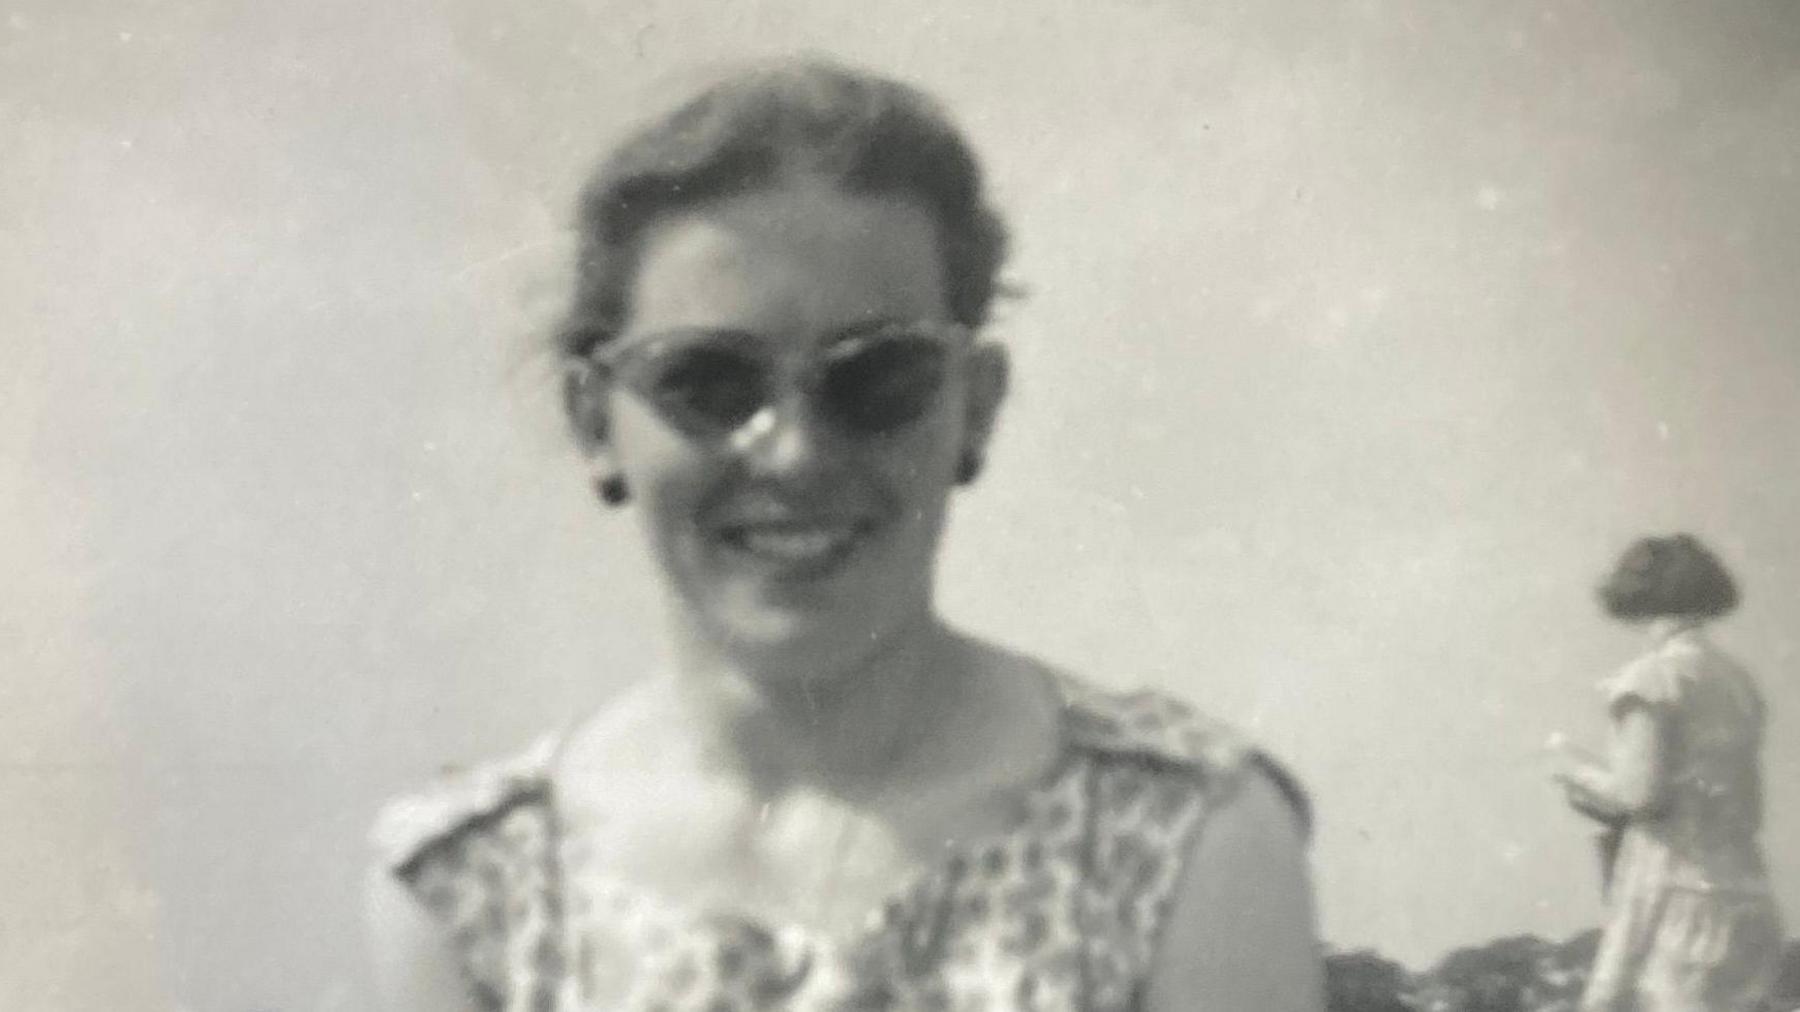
475, 848
459, 801
1159, 728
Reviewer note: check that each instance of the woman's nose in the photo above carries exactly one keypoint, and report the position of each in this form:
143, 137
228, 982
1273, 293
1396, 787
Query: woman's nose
785, 437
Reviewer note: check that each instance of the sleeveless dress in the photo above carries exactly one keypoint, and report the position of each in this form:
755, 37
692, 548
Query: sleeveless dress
1063, 912
1692, 924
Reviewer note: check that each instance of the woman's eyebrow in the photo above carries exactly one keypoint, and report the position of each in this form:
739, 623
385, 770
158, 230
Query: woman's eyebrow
651, 342
833, 336
698, 331
860, 328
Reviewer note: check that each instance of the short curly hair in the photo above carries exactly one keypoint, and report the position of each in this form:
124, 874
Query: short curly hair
764, 125
1670, 576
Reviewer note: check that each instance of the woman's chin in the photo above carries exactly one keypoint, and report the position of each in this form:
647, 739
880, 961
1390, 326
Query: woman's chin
779, 626
780, 631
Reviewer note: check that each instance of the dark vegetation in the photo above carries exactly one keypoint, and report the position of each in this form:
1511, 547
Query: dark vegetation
1523, 973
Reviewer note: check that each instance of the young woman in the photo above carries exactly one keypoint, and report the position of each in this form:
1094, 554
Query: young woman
1691, 923
830, 799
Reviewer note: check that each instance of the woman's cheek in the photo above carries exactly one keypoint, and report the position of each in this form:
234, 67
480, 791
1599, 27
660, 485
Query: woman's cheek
671, 500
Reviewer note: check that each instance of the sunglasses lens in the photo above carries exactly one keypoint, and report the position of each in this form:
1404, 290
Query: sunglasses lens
708, 389
883, 385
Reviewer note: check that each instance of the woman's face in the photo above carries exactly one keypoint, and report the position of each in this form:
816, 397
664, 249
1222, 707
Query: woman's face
790, 537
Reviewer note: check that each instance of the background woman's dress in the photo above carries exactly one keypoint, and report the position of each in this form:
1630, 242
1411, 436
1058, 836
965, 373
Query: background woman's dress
1691, 922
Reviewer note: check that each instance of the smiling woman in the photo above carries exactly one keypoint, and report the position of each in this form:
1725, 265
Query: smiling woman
830, 799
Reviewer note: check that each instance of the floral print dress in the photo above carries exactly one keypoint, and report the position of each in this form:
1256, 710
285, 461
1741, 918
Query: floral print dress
1063, 912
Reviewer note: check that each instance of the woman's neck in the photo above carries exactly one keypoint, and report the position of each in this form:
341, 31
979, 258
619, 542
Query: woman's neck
1666, 627
846, 729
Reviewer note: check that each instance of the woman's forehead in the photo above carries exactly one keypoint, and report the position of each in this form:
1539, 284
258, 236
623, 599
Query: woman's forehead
790, 260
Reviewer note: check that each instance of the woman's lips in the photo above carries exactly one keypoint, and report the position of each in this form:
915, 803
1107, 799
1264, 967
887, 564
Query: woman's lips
795, 547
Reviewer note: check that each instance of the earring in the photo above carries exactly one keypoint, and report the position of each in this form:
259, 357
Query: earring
612, 489
968, 468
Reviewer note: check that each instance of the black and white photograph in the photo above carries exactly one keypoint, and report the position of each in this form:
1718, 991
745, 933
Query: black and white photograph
668, 506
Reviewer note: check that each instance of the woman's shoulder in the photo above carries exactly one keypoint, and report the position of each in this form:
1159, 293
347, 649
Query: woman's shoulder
1163, 731
463, 800
1662, 677
460, 801
465, 847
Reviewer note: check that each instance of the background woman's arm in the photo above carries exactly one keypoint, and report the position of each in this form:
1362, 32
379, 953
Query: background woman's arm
413, 966
1634, 780
1240, 934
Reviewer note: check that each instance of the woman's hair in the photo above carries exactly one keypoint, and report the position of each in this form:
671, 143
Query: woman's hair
759, 128
1668, 576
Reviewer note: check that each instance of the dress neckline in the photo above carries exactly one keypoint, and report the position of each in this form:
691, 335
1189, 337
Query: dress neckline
1050, 799
1676, 631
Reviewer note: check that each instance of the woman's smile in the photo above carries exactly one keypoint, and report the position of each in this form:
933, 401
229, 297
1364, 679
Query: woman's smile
793, 548
791, 534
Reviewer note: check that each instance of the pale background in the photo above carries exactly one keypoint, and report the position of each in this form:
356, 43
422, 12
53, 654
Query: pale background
1361, 336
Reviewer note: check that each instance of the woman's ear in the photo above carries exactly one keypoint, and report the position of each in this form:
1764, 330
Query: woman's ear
989, 373
585, 404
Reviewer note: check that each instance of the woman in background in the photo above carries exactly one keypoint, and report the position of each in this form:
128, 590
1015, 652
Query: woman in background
829, 799
1691, 922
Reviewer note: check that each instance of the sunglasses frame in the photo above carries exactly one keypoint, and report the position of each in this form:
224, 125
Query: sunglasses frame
625, 362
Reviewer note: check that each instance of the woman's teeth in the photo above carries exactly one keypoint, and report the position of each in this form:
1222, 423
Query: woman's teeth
794, 544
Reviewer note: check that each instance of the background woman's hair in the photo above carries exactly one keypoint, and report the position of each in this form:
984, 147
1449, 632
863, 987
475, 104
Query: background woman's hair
800, 118
1668, 576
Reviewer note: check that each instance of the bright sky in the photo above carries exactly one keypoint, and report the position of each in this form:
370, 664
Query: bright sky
1360, 338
